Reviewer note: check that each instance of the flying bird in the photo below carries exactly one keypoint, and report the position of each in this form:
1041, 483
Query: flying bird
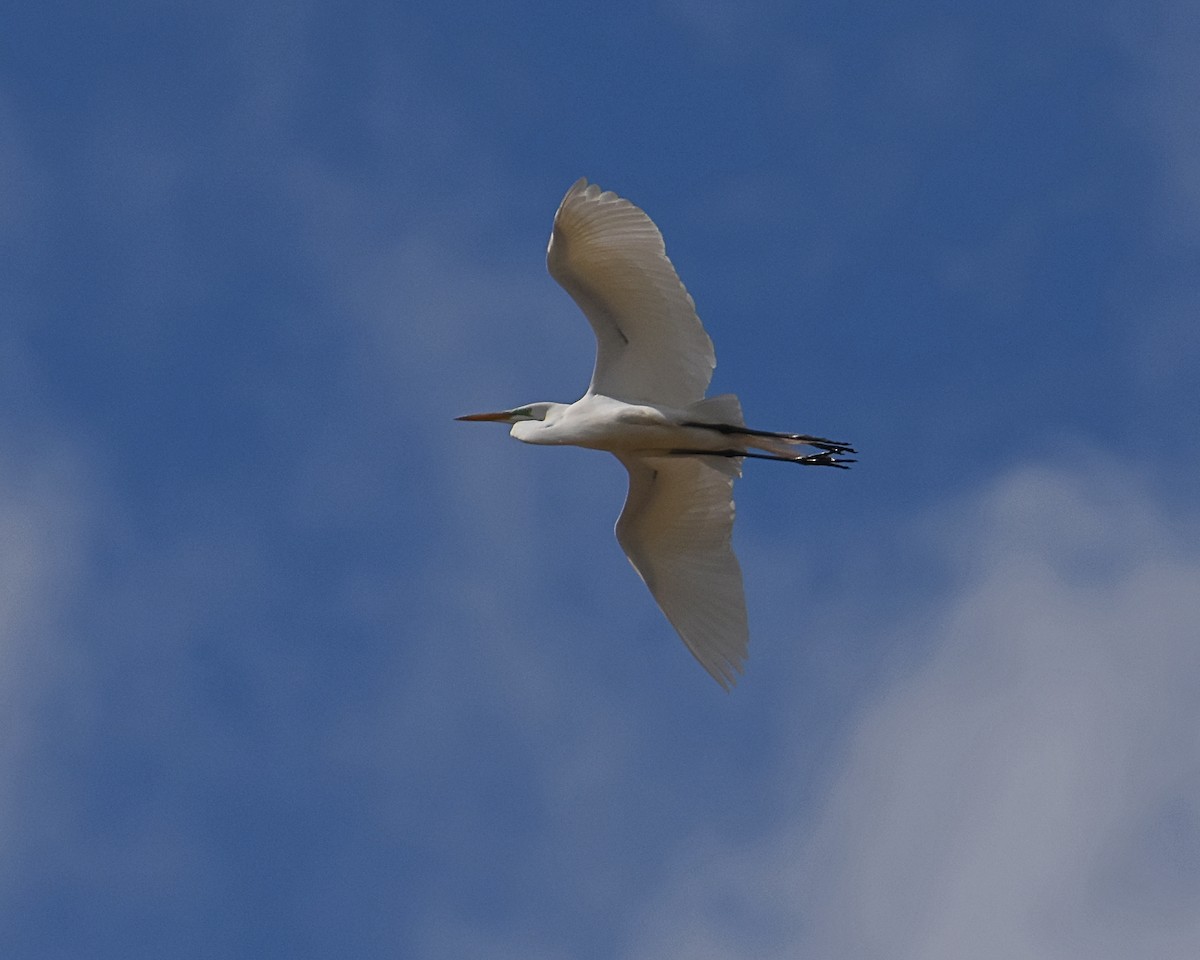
646, 406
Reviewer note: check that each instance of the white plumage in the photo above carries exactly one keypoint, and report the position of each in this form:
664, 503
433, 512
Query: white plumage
609, 256
646, 405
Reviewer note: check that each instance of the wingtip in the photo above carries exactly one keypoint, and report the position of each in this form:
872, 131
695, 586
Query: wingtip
589, 191
579, 186
727, 681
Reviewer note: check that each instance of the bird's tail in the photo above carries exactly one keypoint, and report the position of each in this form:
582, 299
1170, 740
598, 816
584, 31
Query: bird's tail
724, 409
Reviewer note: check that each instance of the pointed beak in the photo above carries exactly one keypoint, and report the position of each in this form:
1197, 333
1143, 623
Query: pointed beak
503, 415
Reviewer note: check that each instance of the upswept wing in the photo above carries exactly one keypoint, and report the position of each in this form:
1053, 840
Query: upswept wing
609, 256
676, 529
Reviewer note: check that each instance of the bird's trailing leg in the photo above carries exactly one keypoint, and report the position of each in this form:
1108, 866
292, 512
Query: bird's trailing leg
821, 443
825, 458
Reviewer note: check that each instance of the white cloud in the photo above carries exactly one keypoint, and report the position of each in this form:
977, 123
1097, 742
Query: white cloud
1161, 294
45, 519
1028, 790
1163, 51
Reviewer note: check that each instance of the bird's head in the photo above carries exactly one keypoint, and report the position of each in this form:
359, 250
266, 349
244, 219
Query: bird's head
528, 422
531, 411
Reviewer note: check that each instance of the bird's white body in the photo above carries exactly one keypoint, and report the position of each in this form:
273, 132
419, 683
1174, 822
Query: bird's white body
646, 405
603, 423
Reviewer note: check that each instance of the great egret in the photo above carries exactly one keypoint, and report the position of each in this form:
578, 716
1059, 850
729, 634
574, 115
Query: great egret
646, 405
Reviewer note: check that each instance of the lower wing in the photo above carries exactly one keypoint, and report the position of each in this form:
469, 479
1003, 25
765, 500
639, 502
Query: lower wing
676, 529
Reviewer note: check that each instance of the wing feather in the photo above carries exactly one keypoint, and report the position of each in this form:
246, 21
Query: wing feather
610, 257
677, 530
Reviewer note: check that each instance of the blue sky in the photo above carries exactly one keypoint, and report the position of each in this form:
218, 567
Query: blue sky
292, 665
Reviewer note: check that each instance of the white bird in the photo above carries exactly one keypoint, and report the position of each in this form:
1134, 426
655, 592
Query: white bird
646, 405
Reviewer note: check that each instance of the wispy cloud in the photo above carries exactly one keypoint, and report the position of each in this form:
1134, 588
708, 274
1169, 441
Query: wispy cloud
47, 517
1160, 291
1030, 789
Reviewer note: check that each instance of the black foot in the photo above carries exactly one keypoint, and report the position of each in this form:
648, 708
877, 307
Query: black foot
828, 459
832, 446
